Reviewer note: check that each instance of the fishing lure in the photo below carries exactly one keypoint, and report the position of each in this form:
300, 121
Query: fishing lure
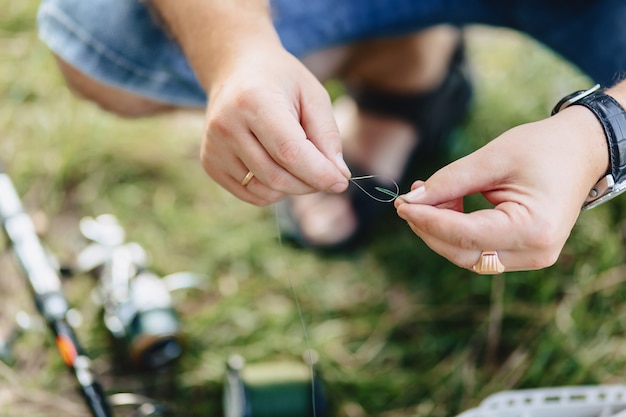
392, 194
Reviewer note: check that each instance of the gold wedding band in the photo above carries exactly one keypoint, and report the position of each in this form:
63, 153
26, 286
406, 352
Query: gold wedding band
246, 180
489, 263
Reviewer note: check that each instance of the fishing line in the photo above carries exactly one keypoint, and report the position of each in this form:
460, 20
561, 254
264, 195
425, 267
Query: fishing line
305, 331
392, 195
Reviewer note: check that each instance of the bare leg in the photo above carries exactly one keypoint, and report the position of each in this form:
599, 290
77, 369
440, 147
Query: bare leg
109, 98
377, 144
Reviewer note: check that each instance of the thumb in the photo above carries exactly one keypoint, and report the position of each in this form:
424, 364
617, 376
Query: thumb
477, 172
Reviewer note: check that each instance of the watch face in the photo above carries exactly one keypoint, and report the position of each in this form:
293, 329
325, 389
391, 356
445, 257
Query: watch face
570, 99
565, 102
605, 193
605, 197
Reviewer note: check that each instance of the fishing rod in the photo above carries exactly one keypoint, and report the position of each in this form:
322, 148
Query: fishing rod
45, 286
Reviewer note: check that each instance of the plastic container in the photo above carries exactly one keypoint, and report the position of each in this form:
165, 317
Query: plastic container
574, 401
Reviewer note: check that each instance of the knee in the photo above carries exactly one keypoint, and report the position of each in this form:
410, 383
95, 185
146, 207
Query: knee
111, 99
415, 61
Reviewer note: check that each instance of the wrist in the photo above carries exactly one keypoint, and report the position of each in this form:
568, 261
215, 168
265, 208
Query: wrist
611, 117
214, 33
588, 134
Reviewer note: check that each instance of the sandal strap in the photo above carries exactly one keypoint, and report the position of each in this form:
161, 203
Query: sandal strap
433, 113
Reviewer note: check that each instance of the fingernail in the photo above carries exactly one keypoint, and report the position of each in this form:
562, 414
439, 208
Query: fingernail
414, 195
338, 187
342, 165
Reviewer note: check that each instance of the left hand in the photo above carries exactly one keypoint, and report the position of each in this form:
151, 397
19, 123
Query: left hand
536, 176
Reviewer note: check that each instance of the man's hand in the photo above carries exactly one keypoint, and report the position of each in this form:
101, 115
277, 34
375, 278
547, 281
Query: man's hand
536, 176
267, 113
271, 116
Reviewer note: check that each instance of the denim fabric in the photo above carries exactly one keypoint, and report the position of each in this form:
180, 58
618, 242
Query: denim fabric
118, 43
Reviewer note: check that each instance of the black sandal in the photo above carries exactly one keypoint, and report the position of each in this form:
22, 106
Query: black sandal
433, 115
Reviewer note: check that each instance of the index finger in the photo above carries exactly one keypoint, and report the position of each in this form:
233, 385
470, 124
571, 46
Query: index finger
286, 141
461, 237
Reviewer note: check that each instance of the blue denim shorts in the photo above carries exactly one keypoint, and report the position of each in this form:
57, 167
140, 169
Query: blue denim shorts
119, 43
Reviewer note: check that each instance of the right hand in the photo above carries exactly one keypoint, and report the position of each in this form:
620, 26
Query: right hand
536, 177
268, 114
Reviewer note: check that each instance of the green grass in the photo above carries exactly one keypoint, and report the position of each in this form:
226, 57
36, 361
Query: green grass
399, 330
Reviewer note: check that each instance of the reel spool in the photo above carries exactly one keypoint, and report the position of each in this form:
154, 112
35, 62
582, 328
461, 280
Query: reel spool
152, 332
275, 389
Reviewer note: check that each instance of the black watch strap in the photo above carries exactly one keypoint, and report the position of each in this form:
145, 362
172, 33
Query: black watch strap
612, 117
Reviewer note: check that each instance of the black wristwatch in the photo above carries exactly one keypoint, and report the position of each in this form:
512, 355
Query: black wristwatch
613, 119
